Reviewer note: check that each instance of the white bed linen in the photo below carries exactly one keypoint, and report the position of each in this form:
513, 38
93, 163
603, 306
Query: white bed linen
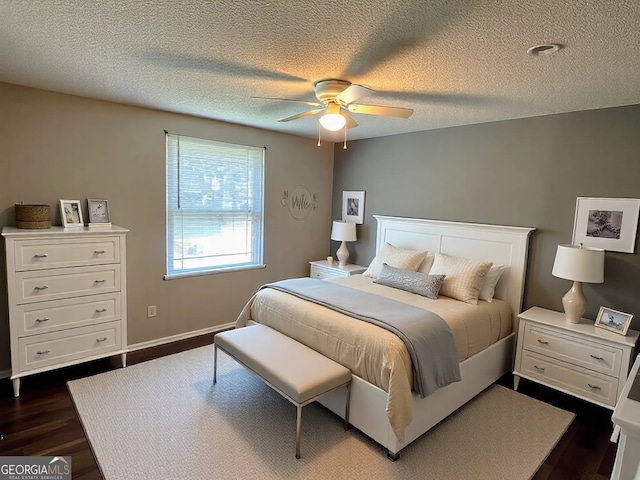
370, 352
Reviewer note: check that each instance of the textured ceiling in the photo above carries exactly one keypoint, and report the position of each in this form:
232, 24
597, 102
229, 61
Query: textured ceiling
454, 62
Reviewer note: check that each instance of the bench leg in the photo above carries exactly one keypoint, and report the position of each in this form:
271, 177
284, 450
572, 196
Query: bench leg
215, 362
346, 408
298, 425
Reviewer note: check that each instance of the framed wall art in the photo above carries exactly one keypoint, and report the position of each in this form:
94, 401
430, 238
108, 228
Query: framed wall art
71, 213
98, 211
613, 320
607, 223
353, 206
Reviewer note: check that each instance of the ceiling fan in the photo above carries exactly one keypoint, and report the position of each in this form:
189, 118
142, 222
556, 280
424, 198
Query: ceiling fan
336, 97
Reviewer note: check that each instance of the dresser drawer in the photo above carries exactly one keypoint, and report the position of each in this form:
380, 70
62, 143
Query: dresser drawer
68, 252
589, 384
578, 351
40, 286
59, 347
322, 273
43, 317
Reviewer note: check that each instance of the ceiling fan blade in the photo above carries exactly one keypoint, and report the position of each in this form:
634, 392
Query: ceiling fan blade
302, 115
380, 110
352, 93
438, 97
313, 104
351, 123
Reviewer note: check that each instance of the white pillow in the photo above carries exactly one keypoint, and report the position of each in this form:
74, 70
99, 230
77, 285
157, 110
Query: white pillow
488, 289
396, 257
426, 264
463, 278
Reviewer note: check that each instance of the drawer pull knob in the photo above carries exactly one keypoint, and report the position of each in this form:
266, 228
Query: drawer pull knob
543, 342
595, 387
596, 357
40, 320
43, 352
99, 281
37, 289
99, 252
103, 339
44, 255
540, 369
101, 310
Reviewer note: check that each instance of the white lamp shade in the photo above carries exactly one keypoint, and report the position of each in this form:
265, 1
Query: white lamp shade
580, 264
332, 120
343, 231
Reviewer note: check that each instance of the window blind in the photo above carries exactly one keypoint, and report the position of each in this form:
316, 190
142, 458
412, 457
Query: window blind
214, 205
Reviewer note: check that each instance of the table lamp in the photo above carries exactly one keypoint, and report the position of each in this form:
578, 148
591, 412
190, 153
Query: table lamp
579, 264
343, 232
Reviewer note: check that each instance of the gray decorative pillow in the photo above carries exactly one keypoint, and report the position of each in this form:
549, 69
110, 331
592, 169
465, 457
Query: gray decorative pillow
413, 282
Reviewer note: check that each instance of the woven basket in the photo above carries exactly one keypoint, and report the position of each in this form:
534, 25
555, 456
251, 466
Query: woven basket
32, 216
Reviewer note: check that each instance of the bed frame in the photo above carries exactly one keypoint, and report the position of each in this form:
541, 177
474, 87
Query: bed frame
499, 244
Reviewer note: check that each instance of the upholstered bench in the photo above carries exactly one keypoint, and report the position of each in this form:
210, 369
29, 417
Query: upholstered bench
298, 373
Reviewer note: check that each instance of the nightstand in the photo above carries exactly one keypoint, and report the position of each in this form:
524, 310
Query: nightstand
321, 269
579, 359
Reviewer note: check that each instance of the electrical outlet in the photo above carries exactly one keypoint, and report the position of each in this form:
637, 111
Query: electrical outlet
151, 311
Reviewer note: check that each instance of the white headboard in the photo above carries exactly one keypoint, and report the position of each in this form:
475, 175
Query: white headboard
496, 243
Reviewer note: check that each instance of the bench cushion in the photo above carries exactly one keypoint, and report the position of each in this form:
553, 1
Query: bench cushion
293, 368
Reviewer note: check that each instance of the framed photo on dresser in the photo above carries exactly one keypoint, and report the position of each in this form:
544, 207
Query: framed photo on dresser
71, 213
613, 320
98, 211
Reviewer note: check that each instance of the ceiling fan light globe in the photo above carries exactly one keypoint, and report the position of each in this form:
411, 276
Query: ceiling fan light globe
332, 121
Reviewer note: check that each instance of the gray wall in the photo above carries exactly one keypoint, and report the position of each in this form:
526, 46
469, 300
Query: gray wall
524, 172
60, 146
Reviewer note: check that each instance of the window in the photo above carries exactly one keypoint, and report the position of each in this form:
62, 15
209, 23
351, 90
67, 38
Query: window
214, 206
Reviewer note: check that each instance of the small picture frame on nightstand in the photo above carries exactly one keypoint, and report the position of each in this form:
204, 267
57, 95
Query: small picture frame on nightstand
613, 320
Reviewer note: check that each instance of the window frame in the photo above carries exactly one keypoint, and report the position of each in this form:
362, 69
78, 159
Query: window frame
250, 218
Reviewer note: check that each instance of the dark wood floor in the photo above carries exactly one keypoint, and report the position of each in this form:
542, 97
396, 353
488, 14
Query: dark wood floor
43, 421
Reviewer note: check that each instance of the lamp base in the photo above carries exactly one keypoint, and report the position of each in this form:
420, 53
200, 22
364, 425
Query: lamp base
575, 303
342, 254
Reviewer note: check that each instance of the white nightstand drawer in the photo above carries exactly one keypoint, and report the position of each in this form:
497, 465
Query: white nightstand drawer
43, 317
322, 273
58, 347
40, 286
578, 351
53, 253
321, 269
583, 382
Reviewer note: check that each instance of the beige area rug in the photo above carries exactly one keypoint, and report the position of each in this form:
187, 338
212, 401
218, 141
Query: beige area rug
162, 419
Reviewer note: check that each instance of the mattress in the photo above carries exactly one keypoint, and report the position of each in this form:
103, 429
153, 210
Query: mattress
370, 352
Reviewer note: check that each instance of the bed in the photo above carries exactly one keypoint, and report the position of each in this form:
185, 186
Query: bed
383, 404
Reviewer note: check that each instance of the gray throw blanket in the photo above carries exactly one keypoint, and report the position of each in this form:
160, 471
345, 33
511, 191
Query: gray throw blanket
426, 335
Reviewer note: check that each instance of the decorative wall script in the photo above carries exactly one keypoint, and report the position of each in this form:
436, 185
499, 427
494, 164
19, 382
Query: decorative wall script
299, 201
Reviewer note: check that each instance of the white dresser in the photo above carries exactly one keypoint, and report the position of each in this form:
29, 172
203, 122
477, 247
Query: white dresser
321, 269
580, 359
67, 297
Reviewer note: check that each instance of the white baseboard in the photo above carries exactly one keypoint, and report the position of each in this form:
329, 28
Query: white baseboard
160, 341
181, 336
